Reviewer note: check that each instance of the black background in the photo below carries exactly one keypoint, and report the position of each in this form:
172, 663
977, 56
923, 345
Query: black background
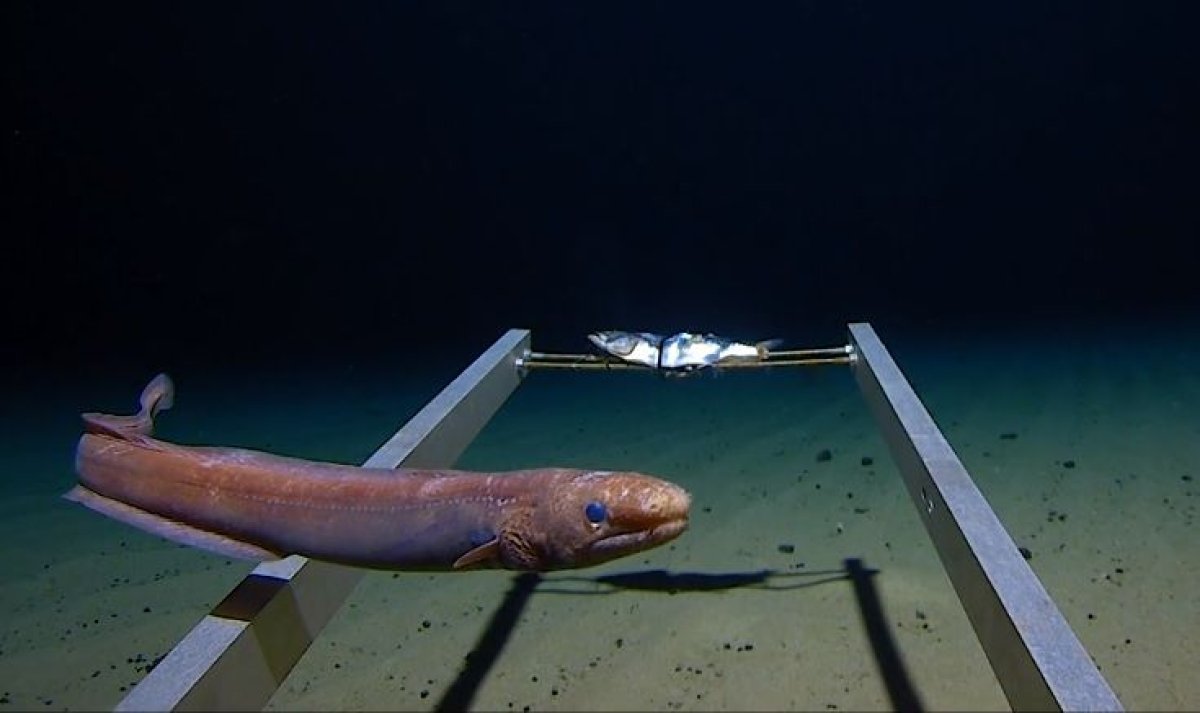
317, 181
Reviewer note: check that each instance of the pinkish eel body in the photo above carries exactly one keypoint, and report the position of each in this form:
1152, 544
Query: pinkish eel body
256, 505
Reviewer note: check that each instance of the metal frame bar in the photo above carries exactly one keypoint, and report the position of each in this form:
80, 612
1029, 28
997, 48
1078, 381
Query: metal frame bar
240, 653
1035, 655
237, 657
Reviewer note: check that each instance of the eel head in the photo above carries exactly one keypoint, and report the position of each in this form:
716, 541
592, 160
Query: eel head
581, 518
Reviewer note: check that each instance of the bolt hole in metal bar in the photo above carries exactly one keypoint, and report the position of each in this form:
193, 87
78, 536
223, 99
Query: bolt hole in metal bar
1037, 659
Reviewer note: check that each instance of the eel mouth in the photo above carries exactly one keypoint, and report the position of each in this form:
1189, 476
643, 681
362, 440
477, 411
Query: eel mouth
623, 543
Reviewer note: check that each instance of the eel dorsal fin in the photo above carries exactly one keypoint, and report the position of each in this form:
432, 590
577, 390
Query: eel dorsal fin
158, 395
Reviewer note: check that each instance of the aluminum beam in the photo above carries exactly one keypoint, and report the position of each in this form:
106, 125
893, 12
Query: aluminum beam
240, 653
1036, 657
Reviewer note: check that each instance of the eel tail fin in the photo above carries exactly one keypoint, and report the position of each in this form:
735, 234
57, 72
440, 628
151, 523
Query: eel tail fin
159, 394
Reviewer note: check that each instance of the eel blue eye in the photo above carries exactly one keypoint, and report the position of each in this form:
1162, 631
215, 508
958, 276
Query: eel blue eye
595, 512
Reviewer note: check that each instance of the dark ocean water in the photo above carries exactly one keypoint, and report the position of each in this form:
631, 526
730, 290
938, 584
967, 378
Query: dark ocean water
313, 217
296, 182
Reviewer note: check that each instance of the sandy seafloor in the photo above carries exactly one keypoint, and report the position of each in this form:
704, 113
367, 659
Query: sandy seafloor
89, 604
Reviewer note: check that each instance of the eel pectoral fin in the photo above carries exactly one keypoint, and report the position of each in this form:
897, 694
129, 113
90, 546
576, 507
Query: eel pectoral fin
170, 529
487, 553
